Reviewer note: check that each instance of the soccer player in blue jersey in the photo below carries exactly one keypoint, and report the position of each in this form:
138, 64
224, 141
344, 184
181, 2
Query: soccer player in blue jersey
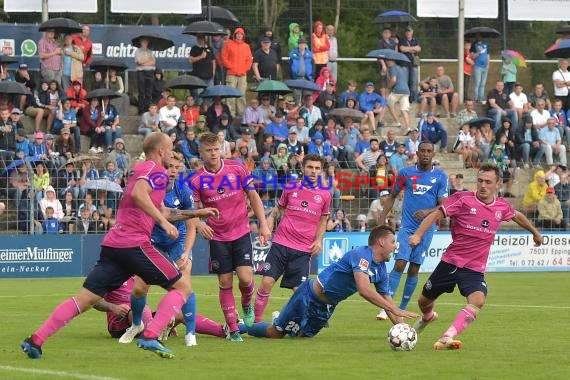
425, 188
315, 300
178, 196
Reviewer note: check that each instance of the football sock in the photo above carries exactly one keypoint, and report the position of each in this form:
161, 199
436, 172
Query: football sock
207, 326
60, 317
137, 307
409, 287
189, 313
246, 293
464, 318
394, 281
228, 304
261, 300
259, 329
168, 307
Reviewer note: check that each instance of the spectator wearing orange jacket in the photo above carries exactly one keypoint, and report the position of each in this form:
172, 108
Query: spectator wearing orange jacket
237, 58
321, 47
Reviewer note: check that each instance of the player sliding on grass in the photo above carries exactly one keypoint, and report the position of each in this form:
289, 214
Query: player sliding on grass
117, 305
226, 184
178, 196
312, 305
305, 207
475, 219
126, 250
425, 188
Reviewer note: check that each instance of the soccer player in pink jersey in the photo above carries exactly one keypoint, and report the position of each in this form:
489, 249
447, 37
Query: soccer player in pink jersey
126, 250
303, 209
227, 186
475, 219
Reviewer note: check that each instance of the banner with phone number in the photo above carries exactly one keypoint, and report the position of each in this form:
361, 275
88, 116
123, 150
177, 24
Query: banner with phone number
511, 251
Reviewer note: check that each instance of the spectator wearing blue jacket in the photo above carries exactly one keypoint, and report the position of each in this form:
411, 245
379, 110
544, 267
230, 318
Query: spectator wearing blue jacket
373, 105
433, 131
350, 93
189, 148
320, 147
278, 128
22, 142
51, 225
301, 61
38, 148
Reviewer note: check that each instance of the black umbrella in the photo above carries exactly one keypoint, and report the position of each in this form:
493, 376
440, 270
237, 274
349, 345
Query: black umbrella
484, 31
388, 54
61, 25
13, 88
393, 17
102, 93
8, 59
222, 92
155, 41
303, 84
480, 121
220, 15
563, 30
104, 64
187, 82
204, 27
560, 49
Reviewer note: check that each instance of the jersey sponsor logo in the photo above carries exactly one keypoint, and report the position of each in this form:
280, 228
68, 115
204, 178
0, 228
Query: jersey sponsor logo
305, 204
421, 189
363, 264
499, 215
485, 223
221, 190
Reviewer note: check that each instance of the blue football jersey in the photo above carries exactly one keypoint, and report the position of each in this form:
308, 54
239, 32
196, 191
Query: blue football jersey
179, 197
338, 279
422, 189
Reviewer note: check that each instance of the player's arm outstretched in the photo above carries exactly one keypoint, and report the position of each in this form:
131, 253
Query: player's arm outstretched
371, 295
424, 226
387, 207
420, 214
120, 310
257, 207
522, 221
176, 215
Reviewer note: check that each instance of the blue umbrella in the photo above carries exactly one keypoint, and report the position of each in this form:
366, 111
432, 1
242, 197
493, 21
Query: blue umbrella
303, 84
14, 164
393, 17
388, 54
221, 91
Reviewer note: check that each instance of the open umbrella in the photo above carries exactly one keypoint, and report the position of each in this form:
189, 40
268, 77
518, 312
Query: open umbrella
220, 15
13, 88
14, 164
79, 159
156, 41
347, 112
221, 91
105, 64
102, 184
186, 82
559, 50
563, 29
61, 25
515, 56
393, 17
484, 31
389, 54
102, 93
204, 27
303, 84
273, 86
480, 121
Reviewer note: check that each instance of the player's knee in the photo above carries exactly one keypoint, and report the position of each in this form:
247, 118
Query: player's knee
267, 283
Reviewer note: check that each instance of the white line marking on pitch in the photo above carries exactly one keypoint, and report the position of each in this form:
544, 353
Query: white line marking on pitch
47, 372
560, 307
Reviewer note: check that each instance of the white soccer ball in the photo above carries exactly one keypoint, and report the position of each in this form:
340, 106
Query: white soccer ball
402, 337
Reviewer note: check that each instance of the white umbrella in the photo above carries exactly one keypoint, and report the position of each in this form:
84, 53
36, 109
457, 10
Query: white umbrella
103, 184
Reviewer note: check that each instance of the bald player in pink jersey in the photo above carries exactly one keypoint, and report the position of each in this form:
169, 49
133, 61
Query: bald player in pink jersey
304, 207
227, 186
126, 250
475, 219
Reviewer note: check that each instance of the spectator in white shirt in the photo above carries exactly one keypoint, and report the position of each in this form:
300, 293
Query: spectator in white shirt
540, 115
169, 114
519, 102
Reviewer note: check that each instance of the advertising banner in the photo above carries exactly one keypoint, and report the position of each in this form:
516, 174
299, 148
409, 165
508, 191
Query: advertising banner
40, 256
450, 8
109, 41
538, 10
511, 251
153, 6
54, 6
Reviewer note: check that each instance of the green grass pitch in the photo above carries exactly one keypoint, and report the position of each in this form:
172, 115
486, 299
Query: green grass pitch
522, 333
